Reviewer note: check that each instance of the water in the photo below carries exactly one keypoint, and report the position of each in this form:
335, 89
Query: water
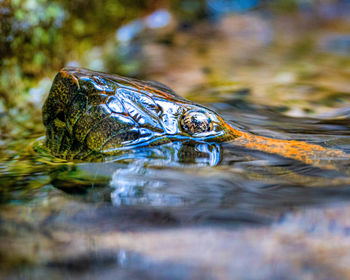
88, 212
226, 210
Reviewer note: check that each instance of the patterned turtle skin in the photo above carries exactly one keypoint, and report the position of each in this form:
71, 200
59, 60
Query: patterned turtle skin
90, 114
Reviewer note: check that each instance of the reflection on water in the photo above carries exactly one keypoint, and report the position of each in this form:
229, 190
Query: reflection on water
173, 154
135, 186
138, 185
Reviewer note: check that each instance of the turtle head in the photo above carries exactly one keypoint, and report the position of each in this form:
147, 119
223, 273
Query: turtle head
89, 112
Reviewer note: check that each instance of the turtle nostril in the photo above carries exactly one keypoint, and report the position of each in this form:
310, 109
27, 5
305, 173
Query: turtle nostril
60, 116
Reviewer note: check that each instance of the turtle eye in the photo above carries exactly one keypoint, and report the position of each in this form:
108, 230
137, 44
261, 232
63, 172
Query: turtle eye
195, 122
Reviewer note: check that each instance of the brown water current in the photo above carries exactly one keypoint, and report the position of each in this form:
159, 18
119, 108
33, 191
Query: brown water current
228, 212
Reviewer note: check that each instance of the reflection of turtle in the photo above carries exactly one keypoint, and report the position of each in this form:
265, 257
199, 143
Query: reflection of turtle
90, 115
